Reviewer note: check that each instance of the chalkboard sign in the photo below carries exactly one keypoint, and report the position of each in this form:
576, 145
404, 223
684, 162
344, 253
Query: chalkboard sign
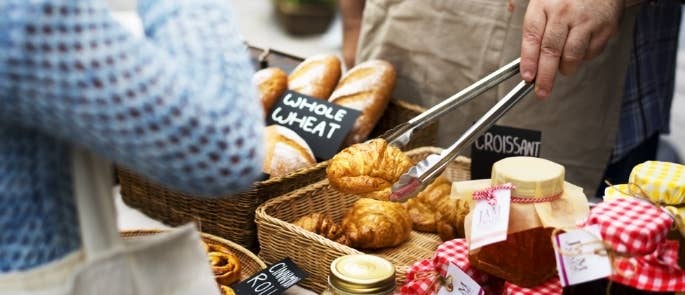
273, 280
321, 124
500, 142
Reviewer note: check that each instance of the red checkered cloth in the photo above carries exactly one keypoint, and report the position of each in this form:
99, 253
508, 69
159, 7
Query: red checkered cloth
423, 275
551, 287
638, 228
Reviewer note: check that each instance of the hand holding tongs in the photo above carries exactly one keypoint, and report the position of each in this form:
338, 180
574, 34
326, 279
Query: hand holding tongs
412, 182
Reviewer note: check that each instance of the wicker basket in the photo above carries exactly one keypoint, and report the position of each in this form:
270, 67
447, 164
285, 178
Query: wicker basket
250, 264
232, 217
279, 238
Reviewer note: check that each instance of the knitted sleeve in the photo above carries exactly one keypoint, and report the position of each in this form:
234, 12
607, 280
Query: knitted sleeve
176, 106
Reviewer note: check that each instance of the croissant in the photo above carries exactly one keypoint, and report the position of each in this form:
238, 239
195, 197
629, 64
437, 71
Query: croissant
226, 265
322, 225
368, 169
373, 224
450, 216
422, 209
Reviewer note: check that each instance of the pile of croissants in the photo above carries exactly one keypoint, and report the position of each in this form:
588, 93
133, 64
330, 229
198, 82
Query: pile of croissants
367, 88
368, 170
225, 265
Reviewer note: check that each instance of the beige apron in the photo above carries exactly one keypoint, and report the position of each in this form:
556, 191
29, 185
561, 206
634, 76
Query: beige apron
441, 46
170, 263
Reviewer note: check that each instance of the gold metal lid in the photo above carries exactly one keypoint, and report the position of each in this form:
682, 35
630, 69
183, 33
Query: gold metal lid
362, 274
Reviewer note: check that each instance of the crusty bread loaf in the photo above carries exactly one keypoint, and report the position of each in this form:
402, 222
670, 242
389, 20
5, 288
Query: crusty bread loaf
316, 76
367, 88
285, 152
271, 83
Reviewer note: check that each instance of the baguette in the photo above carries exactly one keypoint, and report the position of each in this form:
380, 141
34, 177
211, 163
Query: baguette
285, 152
271, 83
316, 76
367, 88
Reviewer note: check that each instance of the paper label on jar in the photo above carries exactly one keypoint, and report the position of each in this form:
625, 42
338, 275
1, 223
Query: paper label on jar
581, 256
458, 282
490, 219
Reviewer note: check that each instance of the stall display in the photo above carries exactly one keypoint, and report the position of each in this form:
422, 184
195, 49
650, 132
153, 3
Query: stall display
232, 216
352, 236
314, 253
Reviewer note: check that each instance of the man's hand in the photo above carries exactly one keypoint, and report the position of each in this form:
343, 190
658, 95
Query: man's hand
560, 34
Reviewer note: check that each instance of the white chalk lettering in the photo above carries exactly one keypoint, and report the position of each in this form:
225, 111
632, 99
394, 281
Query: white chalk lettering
340, 115
321, 128
507, 144
283, 275
307, 124
287, 100
334, 127
258, 278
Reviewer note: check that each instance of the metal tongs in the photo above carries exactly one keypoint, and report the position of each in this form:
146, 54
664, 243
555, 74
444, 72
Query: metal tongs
425, 172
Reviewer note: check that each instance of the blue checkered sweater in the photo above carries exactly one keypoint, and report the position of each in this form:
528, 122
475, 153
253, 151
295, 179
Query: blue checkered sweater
176, 106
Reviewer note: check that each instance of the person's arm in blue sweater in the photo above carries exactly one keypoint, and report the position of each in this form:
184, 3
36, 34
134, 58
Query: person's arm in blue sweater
176, 106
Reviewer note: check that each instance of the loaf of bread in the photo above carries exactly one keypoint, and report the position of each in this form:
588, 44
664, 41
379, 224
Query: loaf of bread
316, 76
368, 169
373, 224
285, 152
367, 88
271, 83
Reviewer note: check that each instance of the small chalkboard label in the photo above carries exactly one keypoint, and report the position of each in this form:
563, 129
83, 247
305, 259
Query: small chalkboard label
321, 124
500, 142
273, 280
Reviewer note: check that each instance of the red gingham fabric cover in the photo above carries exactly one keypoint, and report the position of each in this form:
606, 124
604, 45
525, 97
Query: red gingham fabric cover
456, 252
638, 228
551, 287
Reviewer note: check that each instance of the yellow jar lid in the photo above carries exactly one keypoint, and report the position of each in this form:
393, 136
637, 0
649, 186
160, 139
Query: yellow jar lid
362, 274
531, 177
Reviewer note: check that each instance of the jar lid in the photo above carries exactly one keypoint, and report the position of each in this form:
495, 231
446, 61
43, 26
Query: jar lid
362, 274
531, 177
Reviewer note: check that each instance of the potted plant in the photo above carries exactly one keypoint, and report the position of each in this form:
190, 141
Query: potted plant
305, 17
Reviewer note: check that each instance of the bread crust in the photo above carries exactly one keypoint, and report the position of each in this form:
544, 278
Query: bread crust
316, 76
271, 83
285, 152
